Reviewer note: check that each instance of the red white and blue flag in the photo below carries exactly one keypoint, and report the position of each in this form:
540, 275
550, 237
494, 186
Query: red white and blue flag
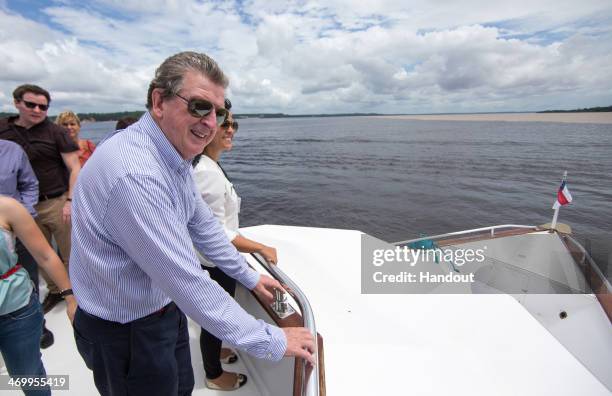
563, 196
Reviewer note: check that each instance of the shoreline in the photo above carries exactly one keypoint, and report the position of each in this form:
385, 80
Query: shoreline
580, 118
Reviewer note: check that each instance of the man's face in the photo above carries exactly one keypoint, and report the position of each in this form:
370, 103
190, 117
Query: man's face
188, 134
31, 116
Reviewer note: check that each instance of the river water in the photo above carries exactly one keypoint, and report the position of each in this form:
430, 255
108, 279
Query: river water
400, 179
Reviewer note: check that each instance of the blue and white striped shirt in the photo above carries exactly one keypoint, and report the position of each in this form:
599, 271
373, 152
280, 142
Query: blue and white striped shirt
136, 217
17, 178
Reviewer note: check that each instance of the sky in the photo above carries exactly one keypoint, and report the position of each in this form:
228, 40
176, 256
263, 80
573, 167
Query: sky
312, 57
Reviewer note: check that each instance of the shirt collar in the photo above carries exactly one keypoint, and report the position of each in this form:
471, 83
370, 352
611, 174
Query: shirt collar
11, 121
163, 145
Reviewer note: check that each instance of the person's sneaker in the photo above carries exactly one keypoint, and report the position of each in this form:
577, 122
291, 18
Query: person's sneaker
51, 301
46, 339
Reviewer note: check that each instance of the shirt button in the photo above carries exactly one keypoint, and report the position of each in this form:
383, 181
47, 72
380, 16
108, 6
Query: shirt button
269, 356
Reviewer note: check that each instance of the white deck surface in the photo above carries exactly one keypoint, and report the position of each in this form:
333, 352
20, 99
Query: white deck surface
419, 344
388, 344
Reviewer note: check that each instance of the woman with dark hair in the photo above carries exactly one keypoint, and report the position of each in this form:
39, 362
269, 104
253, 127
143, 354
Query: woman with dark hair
219, 193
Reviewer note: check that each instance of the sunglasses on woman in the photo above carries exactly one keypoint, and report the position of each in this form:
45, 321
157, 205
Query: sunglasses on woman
32, 105
227, 123
200, 108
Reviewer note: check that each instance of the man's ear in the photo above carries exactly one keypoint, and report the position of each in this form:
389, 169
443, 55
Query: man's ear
158, 102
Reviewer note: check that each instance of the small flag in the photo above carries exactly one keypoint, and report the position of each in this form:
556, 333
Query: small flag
563, 196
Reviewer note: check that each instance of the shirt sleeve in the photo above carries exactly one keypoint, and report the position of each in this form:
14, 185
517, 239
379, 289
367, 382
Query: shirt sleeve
145, 223
27, 184
211, 187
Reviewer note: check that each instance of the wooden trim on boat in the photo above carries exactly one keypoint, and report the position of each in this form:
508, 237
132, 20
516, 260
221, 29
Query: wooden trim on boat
295, 320
297, 383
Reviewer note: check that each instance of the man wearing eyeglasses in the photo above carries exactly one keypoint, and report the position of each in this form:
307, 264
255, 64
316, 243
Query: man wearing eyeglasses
54, 158
137, 217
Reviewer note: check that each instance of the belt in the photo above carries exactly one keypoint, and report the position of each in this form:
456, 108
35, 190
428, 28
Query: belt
160, 311
10, 272
44, 197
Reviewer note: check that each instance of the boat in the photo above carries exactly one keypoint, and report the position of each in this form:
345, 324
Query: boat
537, 319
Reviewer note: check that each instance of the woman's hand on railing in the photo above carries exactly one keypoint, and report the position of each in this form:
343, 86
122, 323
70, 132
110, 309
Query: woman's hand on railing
300, 343
265, 288
269, 254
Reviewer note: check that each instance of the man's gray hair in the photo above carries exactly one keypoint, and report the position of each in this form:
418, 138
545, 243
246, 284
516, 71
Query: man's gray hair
169, 75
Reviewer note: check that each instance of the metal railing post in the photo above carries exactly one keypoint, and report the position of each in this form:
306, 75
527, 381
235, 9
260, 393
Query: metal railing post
310, 386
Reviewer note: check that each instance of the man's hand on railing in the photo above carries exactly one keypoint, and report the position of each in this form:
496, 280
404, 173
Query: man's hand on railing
265, 288
300, 343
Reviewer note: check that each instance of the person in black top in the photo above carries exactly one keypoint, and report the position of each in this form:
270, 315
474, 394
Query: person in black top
54, 158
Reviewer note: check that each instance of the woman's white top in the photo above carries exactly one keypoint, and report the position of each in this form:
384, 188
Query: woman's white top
219, 194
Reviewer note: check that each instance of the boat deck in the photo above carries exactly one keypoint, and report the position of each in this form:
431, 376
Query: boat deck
388, 344
430, 344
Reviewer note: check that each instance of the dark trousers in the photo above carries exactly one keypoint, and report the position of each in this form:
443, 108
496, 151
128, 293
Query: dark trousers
149, 356
210, 346
27, 261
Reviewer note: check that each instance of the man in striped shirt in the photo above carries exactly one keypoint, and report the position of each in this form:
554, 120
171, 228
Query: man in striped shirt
137, 216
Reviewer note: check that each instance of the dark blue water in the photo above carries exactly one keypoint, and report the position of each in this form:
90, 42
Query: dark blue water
399, 179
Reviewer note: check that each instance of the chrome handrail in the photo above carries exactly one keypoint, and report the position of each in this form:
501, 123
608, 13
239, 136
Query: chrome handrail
310, 386
491, 228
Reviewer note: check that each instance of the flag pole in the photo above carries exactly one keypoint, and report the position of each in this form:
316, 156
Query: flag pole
553, 224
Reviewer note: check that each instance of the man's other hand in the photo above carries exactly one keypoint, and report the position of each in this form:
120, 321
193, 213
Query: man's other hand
265, 288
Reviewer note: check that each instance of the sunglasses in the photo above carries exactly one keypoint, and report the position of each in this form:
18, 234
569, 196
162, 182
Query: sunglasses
226, 124
32, 105
200, 108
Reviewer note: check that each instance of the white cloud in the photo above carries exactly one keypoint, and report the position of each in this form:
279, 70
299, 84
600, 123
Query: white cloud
332, 56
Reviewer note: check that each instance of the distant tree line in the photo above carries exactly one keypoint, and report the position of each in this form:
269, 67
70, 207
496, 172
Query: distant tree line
109, 116
586, 110
282, 115
138, 114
